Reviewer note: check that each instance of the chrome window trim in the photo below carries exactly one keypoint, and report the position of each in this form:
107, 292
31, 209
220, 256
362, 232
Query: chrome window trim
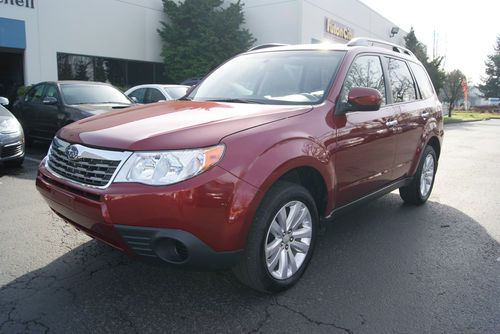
90, 153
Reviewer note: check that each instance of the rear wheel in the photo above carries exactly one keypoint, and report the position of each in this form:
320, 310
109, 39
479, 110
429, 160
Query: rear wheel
281, 239
419, 190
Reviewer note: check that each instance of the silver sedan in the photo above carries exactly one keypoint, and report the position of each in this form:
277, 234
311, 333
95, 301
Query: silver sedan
11, 137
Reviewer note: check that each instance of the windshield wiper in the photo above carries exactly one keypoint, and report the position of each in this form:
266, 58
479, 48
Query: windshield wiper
184, 98
237, 101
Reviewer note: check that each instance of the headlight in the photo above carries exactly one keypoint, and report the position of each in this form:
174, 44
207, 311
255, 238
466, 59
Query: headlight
167, 167
9, 125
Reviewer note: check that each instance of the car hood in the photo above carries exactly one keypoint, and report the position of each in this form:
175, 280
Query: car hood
173, 124
96, 109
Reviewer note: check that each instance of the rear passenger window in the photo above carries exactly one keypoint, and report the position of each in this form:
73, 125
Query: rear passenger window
423, 81
402, 85
365, 71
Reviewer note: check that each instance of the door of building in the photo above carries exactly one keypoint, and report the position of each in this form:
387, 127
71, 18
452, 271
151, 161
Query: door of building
11, 72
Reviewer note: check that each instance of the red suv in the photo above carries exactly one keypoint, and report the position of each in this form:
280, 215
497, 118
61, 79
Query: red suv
242, 171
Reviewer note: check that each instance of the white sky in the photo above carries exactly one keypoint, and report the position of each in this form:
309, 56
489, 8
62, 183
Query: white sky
466, 30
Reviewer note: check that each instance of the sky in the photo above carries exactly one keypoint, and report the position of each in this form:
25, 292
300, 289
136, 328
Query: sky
466, 30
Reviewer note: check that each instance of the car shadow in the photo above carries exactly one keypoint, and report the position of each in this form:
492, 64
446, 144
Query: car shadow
34, 153
387, 267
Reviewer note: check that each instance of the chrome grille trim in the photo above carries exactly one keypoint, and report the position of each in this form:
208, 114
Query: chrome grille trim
94, 168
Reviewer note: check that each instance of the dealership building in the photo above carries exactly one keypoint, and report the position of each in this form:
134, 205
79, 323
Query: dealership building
117, 40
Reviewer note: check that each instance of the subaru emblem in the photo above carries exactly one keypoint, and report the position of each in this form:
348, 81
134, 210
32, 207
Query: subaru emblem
72, 152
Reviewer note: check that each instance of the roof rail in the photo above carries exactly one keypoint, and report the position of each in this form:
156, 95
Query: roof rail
264, 46
363, 41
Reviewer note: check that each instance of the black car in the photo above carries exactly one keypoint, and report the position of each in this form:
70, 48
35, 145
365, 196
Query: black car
11, 138
48, 106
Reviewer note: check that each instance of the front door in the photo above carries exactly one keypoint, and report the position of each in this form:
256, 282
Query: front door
365, 151
48, 117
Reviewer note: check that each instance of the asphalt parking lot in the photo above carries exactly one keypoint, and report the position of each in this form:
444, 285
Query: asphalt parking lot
385, 268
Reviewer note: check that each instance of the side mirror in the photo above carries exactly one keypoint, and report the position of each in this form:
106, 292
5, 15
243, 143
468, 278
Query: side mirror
364, 99
49, 100
4, 101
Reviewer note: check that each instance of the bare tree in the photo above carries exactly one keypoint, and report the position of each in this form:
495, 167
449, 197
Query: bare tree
452, 89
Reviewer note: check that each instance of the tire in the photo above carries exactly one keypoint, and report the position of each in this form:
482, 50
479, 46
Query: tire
420, 188
14, 163
257, 269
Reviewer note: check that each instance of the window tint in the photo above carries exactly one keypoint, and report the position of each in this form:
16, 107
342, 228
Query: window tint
365, 71
154, 95
51, 91
423, 81
138, 95
402, 86
35, 95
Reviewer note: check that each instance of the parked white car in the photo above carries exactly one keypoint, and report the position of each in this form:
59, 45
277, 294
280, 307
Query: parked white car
155, 93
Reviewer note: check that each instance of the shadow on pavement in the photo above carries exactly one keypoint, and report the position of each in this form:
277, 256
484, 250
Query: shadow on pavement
35, 152
388, 267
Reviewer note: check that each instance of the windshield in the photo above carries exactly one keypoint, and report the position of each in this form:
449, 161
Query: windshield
176, 92
92, 94
284, 77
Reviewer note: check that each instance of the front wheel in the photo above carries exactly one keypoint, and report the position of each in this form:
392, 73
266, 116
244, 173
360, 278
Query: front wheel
419, 190
281, 239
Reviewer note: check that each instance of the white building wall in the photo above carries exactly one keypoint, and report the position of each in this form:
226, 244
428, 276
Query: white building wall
273, 21
354, 14
301, 21
108, 28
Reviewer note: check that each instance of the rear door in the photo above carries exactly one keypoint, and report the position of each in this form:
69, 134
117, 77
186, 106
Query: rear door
365, 143
410, 112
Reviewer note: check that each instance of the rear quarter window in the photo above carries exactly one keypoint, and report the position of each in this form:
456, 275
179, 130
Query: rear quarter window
423, 81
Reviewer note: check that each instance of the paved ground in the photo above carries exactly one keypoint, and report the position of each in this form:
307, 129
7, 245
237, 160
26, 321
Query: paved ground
387, 268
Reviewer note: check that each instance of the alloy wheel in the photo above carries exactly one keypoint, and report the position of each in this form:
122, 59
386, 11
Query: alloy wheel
427, 175
288, 240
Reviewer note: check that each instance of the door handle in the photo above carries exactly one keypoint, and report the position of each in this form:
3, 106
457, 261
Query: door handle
391, 123
425, 114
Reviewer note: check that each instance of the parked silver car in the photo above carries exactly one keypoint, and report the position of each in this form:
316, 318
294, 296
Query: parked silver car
155, 93
11, 137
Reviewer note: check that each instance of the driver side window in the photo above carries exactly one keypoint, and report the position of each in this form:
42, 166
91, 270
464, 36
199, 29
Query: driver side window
365, 71
35, 95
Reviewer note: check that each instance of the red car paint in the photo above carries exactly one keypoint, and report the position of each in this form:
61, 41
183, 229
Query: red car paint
355, 153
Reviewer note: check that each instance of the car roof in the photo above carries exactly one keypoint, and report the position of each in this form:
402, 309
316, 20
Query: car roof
155, 86
74, 82
357, 45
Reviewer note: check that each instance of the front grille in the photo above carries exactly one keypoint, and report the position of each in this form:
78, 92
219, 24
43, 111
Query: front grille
88, 168
11, 151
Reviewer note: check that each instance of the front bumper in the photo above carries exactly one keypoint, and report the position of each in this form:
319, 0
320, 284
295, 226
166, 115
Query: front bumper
201, 222
11, 147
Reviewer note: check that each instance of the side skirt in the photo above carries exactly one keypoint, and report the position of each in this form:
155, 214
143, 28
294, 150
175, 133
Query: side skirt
379, 193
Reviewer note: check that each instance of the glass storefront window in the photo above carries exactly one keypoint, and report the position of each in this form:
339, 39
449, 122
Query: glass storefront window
121, 73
